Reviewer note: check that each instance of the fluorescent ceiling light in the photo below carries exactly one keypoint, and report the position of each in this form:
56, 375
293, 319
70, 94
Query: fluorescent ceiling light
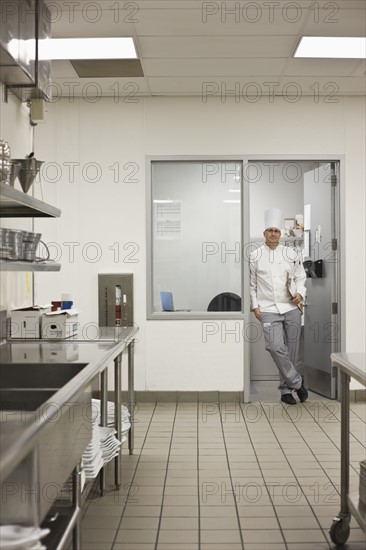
228, 201
162, 201
87, 48
338, 47
234, 190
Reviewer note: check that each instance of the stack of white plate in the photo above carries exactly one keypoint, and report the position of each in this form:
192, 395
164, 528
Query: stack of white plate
363, 481
16, 537
104, 446
92, 459
125, 415
109, 444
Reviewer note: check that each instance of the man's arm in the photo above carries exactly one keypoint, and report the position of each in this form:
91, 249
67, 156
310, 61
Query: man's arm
253, 288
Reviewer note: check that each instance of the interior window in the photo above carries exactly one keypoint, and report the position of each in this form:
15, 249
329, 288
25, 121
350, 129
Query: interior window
196, 235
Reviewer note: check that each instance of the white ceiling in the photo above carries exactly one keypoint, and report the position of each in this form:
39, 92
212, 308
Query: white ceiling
196, 48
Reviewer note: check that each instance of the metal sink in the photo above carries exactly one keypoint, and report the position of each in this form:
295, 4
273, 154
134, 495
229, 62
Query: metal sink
51, 376
35, 394
22, 401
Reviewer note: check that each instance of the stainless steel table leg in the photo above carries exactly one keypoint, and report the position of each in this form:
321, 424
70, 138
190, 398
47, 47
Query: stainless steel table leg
76, 503
118, 416
345, 379
103, 417
131, 395
340, 528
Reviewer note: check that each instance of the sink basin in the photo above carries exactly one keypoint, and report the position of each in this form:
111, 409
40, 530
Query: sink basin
50, 376
27, 386
22, 400
32, 397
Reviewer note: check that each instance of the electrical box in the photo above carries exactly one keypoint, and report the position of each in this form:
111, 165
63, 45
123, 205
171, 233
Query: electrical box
38, 110
115, 299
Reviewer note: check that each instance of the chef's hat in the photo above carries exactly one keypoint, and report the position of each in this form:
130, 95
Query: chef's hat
273, 218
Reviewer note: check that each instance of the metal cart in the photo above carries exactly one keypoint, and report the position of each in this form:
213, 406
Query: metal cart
348, 365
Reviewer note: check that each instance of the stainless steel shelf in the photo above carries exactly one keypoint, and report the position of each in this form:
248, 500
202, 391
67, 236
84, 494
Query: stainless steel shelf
8, 265
16, 204
358, 509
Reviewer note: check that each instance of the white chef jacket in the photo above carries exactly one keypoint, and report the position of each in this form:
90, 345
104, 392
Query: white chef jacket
270, 272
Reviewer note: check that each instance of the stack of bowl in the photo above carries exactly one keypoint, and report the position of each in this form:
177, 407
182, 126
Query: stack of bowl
30, 243
11, 244
4, 161
18, 245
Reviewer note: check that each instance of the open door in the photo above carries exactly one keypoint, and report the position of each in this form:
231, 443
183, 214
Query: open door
321, 322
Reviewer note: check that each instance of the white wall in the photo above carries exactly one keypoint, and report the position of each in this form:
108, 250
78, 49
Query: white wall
15, 288
106, 212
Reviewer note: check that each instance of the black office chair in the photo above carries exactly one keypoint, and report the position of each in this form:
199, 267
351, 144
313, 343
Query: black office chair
226, 301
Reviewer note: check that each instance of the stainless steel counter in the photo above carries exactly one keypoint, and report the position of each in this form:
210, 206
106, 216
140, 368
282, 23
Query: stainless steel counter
24, 434
19, 436
350, 365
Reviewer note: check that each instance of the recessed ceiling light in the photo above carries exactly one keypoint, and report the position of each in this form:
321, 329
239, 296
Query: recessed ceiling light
87, 48
337, 47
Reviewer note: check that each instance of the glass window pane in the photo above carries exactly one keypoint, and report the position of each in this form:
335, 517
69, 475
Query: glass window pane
196, 242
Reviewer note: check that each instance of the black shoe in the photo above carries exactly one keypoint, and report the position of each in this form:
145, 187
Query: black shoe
288, 398
302, 392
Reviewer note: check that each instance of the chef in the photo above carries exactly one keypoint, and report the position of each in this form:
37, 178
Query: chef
277, 290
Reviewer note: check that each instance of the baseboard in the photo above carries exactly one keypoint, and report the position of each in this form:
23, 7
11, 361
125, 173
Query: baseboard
181, 396
357, 396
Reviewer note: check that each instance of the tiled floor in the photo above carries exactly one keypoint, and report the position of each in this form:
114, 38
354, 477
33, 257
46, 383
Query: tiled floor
258, 476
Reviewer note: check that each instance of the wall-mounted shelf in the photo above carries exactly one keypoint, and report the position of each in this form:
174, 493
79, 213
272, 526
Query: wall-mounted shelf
8, 265
16, 204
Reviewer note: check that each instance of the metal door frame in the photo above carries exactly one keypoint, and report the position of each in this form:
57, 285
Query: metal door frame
339, 216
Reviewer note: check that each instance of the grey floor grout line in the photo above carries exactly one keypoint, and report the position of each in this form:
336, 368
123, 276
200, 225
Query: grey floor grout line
198, 477
309, 504
268, 418
166, 475
330, 439
231, 479
260, 468
133, 477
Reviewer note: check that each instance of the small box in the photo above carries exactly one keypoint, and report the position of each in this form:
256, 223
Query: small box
60, 324
26, 321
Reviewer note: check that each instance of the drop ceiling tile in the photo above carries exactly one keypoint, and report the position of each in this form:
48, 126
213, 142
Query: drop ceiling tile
234, 89
92, 22
256, 20
62, 68
216, 47
360, 68
332, 21
320, 67
240, 89
329, 88
213, 67
107, 68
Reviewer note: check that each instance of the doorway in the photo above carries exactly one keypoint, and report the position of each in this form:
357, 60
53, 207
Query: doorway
307, 192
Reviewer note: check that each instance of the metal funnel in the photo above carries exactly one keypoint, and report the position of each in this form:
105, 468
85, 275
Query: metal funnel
14, 171
28, 170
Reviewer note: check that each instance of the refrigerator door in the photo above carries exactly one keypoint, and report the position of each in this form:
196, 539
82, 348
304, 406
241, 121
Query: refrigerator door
321, 324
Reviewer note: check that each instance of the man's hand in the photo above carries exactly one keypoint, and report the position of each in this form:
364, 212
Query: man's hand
257, 312
297, 298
